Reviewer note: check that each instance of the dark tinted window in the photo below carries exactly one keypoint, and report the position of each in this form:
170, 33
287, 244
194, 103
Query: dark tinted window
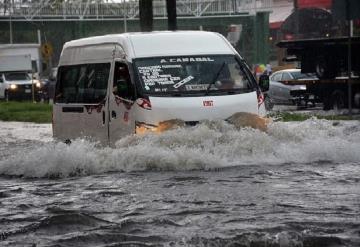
86, 83
123, 86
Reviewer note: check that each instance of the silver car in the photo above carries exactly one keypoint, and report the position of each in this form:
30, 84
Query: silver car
283, 92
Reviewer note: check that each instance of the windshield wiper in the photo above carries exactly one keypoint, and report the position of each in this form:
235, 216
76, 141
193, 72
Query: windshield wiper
215, 79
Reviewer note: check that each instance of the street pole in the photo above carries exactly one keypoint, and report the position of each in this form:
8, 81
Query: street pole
349, 56
10, 24
146, 15
296, 8
171, 13
125, 12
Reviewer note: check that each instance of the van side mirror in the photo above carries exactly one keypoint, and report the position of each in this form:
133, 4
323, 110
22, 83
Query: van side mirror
264, 83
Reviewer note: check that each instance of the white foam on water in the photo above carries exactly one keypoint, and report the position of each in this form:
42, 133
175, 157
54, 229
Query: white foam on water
14, 131
209, 145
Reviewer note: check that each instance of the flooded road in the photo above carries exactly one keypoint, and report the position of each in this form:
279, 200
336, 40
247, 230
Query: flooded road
209, 185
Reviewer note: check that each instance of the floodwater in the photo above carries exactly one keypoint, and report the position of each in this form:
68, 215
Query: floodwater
209, 185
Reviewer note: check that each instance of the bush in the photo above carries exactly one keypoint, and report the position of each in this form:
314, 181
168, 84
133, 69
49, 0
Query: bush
25, 112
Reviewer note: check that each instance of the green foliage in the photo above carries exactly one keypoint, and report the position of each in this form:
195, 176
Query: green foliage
290, 116
25, 112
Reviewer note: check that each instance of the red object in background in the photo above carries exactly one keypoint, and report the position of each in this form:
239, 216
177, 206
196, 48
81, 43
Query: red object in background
275, 25
315, 4
289, 36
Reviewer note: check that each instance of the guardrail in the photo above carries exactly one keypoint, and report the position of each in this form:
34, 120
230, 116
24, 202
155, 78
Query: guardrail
55, 9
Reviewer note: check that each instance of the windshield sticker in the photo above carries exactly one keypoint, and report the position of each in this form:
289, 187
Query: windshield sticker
186, 60
151, 75
196, 87
182, 82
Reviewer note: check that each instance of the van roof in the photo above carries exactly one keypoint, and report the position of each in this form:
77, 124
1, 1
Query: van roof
162, 43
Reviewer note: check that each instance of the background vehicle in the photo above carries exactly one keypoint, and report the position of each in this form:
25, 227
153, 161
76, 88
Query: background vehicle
49, 85
15, 81
327, 42
283, 91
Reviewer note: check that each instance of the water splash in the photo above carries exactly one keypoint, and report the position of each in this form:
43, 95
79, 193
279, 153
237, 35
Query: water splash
210, 145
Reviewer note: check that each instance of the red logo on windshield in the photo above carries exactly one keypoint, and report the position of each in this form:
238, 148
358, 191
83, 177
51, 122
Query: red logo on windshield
208, 103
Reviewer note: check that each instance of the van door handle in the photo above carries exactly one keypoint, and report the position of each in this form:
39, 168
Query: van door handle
103, 117
113, 114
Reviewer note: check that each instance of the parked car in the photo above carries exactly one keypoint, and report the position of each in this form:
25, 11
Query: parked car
19, 86
281, 91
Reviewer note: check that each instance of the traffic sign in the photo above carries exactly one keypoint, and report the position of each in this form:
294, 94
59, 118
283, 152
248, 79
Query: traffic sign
47, 50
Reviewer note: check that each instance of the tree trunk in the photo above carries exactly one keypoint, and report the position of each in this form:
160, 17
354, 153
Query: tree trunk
146, 15
171, 12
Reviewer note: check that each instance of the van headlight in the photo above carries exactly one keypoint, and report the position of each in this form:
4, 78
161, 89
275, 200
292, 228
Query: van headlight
13, 86
142, 128
302, 87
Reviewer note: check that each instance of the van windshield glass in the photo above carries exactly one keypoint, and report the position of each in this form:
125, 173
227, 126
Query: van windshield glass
85, 83
193, 74
16, 76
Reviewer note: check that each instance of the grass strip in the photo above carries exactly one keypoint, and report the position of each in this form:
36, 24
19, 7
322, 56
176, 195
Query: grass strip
25, 112
290, 116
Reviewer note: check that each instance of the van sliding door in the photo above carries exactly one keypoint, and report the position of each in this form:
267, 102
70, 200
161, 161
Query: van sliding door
81, 102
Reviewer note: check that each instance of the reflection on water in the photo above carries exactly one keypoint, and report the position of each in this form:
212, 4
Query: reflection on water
209, 185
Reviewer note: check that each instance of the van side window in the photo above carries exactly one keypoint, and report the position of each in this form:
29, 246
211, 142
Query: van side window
1, 79
122, 86
85, 83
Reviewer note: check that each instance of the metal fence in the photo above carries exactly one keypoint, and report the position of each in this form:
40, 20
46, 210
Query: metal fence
80, 9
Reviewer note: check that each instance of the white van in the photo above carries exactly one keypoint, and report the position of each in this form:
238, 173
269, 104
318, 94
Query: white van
114, 85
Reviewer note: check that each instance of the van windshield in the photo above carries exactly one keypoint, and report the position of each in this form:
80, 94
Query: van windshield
193, 74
